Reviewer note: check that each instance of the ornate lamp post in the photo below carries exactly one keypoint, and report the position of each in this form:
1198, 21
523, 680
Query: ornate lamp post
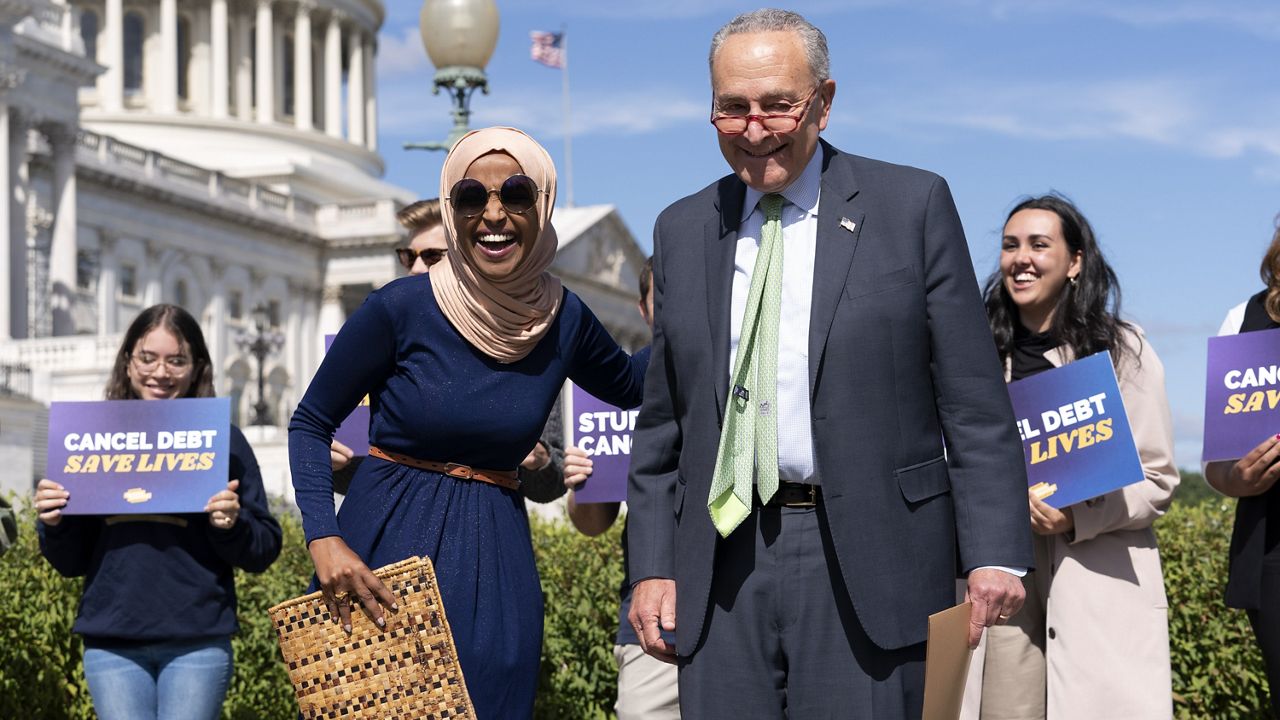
261, 342
460, 36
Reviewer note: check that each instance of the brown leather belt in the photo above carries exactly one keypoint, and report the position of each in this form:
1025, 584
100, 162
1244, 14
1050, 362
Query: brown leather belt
794, 495
502, 478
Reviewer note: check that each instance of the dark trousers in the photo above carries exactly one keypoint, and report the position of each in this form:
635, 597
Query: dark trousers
782, 639
1266, 627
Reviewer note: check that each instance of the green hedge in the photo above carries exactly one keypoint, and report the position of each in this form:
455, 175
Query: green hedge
1217, 671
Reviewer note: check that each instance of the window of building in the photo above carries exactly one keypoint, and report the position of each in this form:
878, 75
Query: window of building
184, 58
128, 281
181, 297
235, 305
134, 35
273, 313
89, 33
253, 65
86, 269
287, 66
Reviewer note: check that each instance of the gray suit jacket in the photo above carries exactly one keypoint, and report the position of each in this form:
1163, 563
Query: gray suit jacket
900, 358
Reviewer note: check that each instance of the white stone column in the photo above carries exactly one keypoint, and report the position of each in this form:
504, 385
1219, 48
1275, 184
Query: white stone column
264, 59
240, 44
111, 82
371, 96
167, 102
333, 76
355, 87
17, 201
331, 315
216, 328
62, 253
302, 66
219, 59
108, 313
6, 211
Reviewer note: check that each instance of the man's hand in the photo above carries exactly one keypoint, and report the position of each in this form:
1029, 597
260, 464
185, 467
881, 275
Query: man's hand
653, 603
996, 595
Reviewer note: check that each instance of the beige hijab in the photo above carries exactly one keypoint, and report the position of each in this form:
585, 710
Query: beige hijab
502, 317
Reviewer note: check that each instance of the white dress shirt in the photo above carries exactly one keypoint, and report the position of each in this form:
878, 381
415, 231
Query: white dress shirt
799, 242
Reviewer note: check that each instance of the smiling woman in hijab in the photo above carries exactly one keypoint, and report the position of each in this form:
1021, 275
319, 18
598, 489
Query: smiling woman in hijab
461, 367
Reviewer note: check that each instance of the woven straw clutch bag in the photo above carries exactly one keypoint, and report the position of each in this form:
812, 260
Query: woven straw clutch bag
407, 671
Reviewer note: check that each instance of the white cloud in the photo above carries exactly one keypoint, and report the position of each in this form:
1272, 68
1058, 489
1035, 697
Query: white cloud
402, 54
1257, 17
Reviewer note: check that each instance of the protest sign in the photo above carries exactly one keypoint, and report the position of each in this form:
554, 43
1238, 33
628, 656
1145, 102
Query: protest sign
135, 456
1242, 393
1075, 432
603, 432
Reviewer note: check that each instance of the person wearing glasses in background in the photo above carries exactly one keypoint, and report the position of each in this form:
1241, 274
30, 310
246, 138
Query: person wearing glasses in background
159, 602
540, 470
798, 547
461, 367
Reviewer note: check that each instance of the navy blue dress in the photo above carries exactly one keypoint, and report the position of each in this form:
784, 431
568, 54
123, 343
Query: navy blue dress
433, 396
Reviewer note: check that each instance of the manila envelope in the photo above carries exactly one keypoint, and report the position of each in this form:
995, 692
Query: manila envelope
946, 664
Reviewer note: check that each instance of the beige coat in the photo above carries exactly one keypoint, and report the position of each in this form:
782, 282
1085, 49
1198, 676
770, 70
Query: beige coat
1105, 630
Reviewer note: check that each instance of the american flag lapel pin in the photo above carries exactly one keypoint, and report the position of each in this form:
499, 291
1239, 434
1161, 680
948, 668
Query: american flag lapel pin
848, 224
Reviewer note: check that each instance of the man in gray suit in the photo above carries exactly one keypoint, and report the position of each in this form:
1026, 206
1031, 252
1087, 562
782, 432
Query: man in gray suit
803, 512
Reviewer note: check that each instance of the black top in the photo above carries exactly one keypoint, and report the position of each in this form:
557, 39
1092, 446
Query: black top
1255, 538
1028, 357
162, 577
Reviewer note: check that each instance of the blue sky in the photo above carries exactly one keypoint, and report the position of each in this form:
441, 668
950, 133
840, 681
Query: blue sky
1160, 118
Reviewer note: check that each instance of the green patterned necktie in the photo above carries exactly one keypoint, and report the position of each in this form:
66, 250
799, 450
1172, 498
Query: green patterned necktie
749, 439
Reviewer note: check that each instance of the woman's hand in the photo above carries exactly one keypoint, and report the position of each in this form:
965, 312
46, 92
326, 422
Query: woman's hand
224, 508
537, 458
50, 499
339, 455
346, 580
1048, 520
577, 467
1251, 475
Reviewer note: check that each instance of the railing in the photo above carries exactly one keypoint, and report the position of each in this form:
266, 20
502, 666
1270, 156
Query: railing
371, 218
73, 351
15, 379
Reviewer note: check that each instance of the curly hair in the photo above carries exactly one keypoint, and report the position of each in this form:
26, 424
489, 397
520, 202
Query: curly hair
1270, 272
1087, 316
185, 328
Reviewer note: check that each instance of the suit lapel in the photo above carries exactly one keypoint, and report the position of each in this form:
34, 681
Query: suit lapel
720, 244
840, 219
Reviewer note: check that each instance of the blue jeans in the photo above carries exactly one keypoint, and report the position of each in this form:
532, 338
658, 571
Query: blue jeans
168, 680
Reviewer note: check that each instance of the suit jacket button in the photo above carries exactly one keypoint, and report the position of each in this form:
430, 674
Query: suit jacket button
1052, 633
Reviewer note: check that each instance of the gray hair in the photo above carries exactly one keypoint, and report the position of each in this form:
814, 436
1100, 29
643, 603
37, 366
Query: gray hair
774, 20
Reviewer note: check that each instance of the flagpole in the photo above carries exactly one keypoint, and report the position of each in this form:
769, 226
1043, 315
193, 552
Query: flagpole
568, 115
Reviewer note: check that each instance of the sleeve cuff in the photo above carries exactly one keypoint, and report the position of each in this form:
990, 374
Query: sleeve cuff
1015, 571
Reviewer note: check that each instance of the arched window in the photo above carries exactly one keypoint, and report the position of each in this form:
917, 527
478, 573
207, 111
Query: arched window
184, 57
89, 33
134, 35
253, 66
181, 297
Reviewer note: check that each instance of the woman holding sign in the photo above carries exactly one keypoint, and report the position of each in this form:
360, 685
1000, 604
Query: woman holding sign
1253, 583
1092, 640
159, 601
461, 367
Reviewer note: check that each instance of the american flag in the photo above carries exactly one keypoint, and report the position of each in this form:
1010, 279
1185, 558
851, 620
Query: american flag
548, 48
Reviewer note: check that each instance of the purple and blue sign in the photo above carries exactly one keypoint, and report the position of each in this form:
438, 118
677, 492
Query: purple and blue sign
603, 432
119, 457
1075, 432
1242, 394
354, 430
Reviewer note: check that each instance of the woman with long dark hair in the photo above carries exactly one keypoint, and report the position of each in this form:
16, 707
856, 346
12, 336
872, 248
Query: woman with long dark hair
159, 603
1253, 582
1092, 639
